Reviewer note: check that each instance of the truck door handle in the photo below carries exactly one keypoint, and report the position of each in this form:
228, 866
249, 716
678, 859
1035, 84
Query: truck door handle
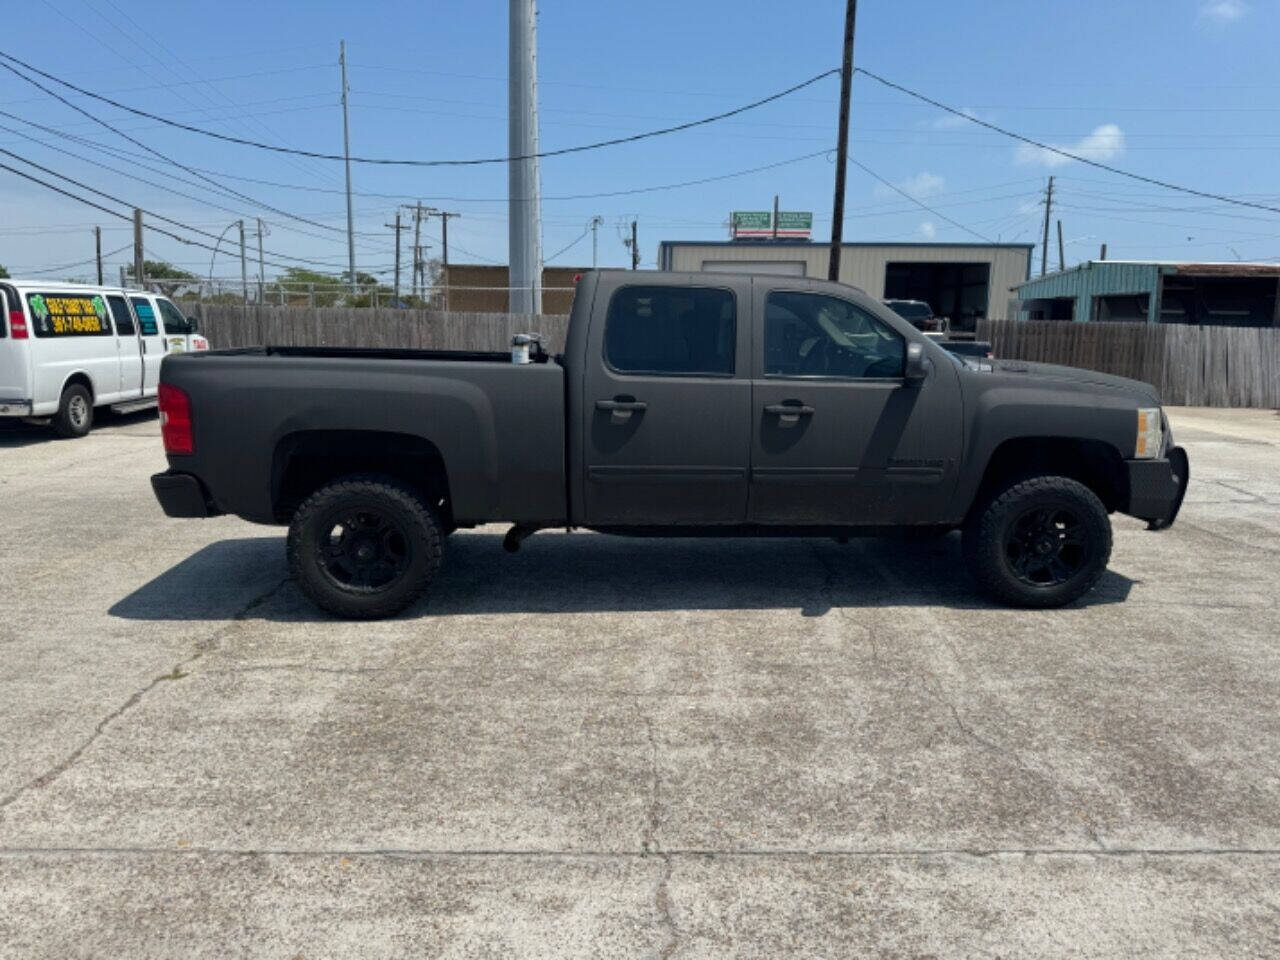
621, 405
789, 409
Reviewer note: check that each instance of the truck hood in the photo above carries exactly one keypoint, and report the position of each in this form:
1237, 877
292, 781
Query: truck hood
1085, 380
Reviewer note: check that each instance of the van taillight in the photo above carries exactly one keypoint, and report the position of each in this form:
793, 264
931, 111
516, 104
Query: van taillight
18, 323
175, 420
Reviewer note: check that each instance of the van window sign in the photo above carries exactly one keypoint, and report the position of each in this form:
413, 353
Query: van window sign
146, 317
56, 315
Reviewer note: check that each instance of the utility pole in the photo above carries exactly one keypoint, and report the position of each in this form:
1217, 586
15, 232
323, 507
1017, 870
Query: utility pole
595, 230
842, 143
1062, 258
444, 216
775, 216
262, 277
417, 244
1102, 254
1044, 247
138, 266
444, 232
396, 226
244, 270
346, 155
635, 248
524, 238
97, 249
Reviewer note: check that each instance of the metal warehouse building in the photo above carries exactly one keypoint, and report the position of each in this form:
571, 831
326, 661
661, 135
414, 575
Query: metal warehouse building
1220, 294
959, 280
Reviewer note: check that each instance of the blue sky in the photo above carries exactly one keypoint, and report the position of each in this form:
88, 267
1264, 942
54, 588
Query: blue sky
1182, 90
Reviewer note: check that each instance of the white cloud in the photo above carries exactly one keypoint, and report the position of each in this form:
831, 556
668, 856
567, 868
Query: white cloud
928, 230
1224, 11
1105, 142
923, 184
949, 121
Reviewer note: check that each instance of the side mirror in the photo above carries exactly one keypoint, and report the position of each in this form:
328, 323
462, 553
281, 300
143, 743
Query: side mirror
914, 369
193, 326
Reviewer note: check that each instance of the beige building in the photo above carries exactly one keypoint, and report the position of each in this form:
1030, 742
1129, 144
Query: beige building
959, 280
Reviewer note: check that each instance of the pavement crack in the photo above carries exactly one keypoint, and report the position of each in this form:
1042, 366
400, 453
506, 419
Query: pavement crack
653, 814
178, 672
649, 846
662, 900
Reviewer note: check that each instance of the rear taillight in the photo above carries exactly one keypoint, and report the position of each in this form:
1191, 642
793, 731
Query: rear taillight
18, 324
175, 420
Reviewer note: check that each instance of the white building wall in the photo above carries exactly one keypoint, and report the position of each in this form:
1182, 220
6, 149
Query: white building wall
861, 266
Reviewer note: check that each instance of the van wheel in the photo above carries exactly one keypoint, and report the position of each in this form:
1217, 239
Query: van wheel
1041, 542
364, 547
75, 412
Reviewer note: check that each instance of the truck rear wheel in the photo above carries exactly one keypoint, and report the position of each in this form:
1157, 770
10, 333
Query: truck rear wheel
364, 547
1041, 542
75, 412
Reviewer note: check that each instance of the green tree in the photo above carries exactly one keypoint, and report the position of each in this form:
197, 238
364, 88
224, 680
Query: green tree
4, 274
170, 279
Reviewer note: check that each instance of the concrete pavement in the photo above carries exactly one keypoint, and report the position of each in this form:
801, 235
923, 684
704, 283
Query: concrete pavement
603, 747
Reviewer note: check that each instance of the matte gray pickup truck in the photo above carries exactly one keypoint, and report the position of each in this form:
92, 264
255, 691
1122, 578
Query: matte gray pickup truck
683, 405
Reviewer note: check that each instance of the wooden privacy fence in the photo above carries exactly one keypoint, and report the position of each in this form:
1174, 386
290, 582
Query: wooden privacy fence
1195, 366
230, 325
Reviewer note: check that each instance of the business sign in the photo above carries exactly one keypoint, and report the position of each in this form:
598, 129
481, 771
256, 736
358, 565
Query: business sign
62, 316
758, 225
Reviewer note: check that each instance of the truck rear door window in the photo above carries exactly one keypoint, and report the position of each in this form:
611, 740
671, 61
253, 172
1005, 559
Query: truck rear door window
68, 315
121, 315
676, 331
814, 335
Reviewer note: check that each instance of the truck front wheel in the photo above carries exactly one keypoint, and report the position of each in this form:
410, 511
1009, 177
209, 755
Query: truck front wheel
1040, 542
364, 547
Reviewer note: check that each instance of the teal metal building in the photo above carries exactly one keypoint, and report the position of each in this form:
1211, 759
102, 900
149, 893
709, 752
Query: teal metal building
1218, 294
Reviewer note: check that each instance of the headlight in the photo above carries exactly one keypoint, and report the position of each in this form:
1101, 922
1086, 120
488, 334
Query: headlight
1150, 434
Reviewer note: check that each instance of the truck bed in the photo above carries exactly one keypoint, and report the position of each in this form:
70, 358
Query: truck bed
498, 427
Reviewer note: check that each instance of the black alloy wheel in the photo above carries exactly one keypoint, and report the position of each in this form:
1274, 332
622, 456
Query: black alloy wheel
364, 549
1046, 546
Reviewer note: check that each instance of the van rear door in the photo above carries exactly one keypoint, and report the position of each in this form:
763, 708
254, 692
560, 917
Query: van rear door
15, 354
153, 342
130, 346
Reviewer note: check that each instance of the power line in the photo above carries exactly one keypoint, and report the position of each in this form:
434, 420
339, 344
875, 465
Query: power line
919, 203
1066, 153
276, 148
569, 246
135, 159
70, 266
156, 153
114, 199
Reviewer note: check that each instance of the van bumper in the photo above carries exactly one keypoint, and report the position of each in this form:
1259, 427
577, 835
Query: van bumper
182, 495
14, 408
1157, 487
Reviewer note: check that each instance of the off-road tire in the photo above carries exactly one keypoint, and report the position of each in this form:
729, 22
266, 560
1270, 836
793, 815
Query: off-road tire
415, 525
988, 554
75, 412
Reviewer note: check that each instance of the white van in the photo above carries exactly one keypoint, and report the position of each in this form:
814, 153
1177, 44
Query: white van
68, 348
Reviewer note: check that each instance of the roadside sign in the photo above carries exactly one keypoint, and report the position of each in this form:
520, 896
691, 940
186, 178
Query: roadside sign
758, 225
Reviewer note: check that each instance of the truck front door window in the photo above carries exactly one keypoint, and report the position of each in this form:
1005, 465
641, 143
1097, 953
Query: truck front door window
678, 331
813, 335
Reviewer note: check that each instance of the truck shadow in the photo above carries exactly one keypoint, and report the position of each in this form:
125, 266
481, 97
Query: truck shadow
587, 573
